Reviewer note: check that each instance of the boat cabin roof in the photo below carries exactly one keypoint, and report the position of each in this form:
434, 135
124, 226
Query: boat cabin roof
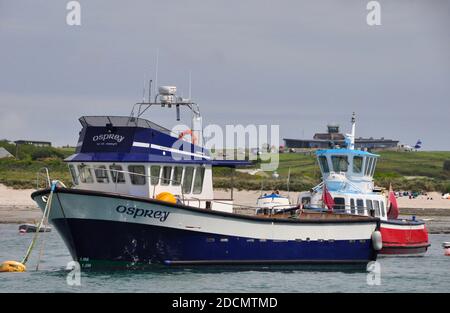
128, 139
345, 151
121, 121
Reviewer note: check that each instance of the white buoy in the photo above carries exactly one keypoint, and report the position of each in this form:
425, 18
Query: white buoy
377, 241
446, 246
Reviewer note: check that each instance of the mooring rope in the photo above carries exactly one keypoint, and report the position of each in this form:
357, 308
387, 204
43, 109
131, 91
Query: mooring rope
36, 235
44, 236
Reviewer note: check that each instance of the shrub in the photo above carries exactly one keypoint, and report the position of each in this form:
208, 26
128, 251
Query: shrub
447, 165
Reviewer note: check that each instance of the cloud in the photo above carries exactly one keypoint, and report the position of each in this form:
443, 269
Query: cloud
299, 64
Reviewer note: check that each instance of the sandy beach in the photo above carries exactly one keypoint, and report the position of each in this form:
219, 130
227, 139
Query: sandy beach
245, 197
16, 206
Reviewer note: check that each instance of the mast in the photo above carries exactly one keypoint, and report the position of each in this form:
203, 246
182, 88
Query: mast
351, 137
167, 97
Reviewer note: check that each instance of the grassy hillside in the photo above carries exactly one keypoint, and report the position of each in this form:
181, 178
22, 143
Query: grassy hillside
22, 172
405, 170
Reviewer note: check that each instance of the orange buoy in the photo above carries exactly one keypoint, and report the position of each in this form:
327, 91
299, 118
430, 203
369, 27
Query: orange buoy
12, 266
166, 197
188, 132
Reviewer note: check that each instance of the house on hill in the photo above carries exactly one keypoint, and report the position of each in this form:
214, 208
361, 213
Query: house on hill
34, 143
334, 136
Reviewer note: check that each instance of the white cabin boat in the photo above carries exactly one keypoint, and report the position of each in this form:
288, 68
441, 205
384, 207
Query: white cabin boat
348, 174
143, 195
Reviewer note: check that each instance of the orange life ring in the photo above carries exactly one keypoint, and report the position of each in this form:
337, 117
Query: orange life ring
188, 132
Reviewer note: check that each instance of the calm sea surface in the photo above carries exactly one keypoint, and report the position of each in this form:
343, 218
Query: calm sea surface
430, 273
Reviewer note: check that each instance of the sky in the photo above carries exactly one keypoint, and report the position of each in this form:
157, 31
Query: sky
298, 64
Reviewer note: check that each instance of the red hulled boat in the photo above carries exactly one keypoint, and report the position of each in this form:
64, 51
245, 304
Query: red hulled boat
348, 180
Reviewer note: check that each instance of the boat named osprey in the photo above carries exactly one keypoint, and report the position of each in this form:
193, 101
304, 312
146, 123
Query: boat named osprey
143, 195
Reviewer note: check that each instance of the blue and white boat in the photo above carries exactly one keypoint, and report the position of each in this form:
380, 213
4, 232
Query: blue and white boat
272, 203
143, 195
347, 175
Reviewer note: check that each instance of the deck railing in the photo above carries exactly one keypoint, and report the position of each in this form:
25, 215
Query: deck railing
356, 209
39, 174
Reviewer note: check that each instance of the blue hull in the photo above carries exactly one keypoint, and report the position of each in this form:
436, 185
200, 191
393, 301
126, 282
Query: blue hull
98, 243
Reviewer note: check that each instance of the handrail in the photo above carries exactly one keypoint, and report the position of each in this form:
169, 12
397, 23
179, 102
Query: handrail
39, 173
357, 209
315, 188
355, 206
196, 199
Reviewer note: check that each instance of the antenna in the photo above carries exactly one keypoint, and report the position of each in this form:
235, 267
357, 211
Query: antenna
157, 66
350, 138
190, 86
352, 143
143, 91
149, 90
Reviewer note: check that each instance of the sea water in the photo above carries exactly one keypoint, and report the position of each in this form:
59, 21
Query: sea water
430, 273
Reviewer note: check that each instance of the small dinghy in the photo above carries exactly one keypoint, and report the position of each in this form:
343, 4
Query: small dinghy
272, 203
32, 228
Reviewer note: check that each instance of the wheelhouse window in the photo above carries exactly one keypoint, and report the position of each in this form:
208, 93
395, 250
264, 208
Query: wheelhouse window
187, 180
166, 174
352, 206
324, 164
368, 166
117, 175
376, 206
85, 174
73, 173
154, 173
357, 164
137, 174
339, 203
369, 206
101, 174
374, 165
198, 181
360, 206
340, 163
177, 175
383, 212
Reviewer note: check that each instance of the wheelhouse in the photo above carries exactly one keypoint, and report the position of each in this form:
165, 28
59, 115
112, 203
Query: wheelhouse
137, 157
352, 163
348, 175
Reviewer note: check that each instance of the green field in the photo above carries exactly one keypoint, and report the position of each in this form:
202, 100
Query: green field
22, 172
417, 171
